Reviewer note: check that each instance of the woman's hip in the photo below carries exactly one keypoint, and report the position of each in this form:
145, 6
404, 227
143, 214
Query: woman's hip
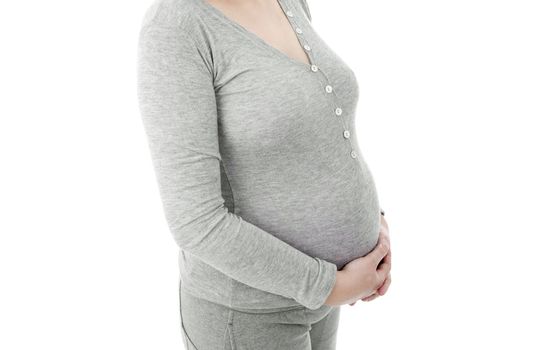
207, 325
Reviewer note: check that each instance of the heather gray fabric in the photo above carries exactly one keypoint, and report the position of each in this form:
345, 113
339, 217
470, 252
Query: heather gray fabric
206, 325
263, 193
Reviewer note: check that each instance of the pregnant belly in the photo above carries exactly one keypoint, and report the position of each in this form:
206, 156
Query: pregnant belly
333, 217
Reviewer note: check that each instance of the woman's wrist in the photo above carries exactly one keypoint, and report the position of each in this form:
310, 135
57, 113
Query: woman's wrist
341, 290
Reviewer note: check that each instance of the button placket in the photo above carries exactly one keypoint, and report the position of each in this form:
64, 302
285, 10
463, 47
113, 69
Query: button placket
338, 111
314, 68
302, 41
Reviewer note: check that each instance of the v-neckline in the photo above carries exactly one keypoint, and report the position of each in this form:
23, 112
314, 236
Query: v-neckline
256, 38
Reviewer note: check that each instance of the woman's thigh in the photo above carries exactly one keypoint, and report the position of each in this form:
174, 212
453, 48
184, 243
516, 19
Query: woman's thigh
205, 325
323, 333
210, 326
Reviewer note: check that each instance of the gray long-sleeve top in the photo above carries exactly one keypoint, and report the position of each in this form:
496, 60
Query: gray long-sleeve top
262, 182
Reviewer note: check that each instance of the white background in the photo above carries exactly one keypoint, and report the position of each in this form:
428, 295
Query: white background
459, 102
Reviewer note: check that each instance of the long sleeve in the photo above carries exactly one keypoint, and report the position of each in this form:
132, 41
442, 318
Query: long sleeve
179, 113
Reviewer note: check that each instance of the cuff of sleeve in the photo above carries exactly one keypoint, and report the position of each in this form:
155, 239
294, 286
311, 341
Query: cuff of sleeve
327, 280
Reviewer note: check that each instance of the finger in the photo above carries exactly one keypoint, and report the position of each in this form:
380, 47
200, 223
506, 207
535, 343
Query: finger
384, 288
371, 297
384, 237
378, 253
387, 238
383, 270
387, 258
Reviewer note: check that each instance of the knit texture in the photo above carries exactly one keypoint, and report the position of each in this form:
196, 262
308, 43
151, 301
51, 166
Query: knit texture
262, 182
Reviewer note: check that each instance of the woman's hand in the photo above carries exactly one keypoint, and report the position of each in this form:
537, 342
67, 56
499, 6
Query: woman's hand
385, 234
360, 277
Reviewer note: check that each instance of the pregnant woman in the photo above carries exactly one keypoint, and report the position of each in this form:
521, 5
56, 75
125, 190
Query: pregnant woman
250, 117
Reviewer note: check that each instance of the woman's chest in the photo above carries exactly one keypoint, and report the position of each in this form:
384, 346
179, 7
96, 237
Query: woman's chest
263, 95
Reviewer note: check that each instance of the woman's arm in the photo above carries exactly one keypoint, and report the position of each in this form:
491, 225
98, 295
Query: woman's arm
178, 109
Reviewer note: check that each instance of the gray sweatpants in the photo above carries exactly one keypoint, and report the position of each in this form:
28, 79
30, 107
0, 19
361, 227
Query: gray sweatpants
211, 326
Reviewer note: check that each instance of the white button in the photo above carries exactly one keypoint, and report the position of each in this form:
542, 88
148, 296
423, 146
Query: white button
307, 47
328, 88
314, 68
298, 30
353, 154
338, 111
346, 134
289, 13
